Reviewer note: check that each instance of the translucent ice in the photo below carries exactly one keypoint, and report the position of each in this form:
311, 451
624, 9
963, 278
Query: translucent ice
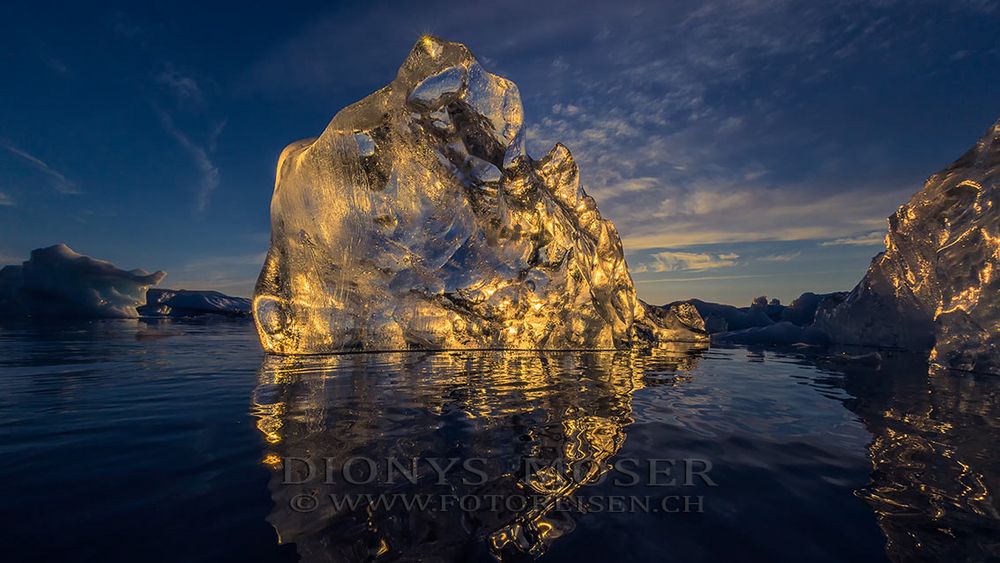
938, 281
417, 220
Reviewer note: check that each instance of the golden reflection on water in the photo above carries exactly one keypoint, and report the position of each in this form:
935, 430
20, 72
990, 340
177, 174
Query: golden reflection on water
934, 466
566, 413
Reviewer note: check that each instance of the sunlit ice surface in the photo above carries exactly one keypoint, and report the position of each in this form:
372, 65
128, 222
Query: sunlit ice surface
168, 441
417, 219
936, 284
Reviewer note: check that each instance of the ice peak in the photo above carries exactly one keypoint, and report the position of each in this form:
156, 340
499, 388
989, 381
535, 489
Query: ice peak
431, 55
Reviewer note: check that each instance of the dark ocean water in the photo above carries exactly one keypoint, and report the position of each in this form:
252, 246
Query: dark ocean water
181, 441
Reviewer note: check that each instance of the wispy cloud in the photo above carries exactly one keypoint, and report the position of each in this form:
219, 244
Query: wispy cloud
737, 277
208, 263
54, 64
200, 154
699, 261
874, 238
704, 214
232, 274
123, 25
780, 257
5, 200
669, 261
183, 86
680, 150
59, 181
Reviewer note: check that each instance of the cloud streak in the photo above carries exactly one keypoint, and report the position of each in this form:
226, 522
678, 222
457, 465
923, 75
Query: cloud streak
5, 200
874, 238
780, 257
200, 155
737, 277
669, 261
727, 214
184, 87
231, 274
59, 181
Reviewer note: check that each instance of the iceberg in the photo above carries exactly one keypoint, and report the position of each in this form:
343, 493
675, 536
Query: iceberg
936, 284
58, 282
720, 318
161, 302
417, 219
802, 311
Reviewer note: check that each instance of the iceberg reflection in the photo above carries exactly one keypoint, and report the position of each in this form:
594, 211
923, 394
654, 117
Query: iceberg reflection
535, 426
934, 467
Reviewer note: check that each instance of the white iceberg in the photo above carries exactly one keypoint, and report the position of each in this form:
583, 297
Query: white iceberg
161, 302
58, 282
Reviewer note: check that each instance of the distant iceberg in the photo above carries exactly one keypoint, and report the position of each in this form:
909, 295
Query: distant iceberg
58, 282
187, 303
720, 318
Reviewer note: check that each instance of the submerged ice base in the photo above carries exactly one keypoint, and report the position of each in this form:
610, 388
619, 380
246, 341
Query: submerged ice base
417, 220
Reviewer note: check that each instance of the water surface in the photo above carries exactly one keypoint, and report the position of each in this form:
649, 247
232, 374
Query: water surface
181, 441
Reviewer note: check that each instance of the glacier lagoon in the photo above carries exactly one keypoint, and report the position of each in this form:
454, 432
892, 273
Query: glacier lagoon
169, 440
158, 438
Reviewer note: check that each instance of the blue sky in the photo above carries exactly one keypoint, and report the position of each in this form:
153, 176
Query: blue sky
742, 148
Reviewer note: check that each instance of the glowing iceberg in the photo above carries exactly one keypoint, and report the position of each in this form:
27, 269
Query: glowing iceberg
417, 220
58, 282
938, 281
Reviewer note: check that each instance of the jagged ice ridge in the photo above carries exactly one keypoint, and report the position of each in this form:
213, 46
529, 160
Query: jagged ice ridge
418, 220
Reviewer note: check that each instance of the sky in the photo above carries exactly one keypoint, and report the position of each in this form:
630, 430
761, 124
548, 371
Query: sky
741, 147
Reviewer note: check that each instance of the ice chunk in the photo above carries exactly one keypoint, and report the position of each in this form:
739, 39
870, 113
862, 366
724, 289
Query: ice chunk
484, 171
444, 233
366, 145
188, 303
938, 281
58, 282
435, 91
497, 100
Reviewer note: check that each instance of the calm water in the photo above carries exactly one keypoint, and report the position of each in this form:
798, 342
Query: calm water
128, 441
